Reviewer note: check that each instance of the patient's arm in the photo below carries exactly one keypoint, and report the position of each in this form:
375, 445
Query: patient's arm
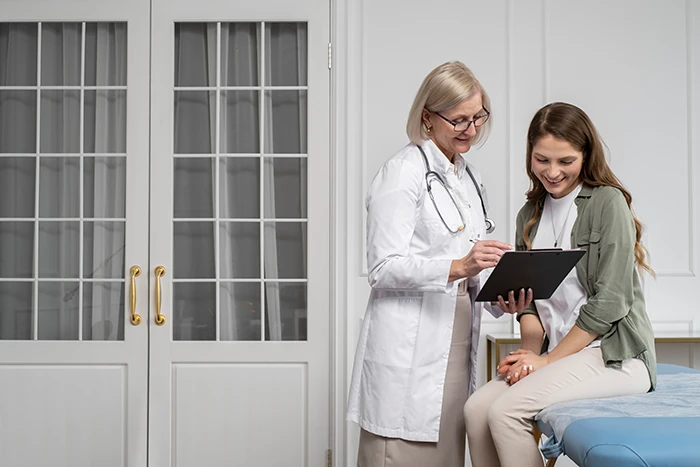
577, 339
531, 337
531, 333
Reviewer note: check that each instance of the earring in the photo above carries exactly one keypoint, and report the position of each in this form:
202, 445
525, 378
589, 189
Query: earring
430, 129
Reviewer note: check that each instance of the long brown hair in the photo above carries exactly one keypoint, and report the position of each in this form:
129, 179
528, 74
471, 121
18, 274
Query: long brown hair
571, 124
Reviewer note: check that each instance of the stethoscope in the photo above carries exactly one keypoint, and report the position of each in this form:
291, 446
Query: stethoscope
490, 224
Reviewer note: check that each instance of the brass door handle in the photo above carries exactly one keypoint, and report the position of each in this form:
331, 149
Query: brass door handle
160, 318
135, 272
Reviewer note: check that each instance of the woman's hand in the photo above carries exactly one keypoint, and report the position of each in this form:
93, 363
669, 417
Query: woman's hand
484, 254
513, 306
520, 364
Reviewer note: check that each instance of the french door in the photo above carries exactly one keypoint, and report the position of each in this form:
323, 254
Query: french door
163, 233
73, 180
239, 217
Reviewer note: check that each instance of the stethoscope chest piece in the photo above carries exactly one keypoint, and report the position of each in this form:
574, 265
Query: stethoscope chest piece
490, 225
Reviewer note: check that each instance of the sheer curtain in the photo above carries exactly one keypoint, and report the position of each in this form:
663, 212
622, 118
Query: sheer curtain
285, 182
18, 67
59, 173
238, 185
195, 181
105, 117
239, 188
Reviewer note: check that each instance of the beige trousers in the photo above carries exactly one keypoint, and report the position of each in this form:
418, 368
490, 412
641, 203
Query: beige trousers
499, 417
378, 451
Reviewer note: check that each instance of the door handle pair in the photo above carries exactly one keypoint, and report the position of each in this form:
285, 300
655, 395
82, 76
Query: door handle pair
135, 317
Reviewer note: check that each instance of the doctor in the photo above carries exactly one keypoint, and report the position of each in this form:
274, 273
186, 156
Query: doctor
426, 222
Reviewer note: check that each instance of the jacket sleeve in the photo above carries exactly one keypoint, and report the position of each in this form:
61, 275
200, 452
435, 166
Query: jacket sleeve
612, 283
520, 246
392, 214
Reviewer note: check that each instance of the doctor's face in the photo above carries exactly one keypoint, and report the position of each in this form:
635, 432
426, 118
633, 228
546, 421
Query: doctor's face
443, 132
557, 164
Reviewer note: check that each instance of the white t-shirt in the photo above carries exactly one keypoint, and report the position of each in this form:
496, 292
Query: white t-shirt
558, 313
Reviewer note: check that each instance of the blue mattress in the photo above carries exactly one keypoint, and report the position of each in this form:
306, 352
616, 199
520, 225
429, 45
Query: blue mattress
657, 429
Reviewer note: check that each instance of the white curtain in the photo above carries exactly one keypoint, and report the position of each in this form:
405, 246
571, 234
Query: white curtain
286, 132
18, 44
108, 112
195, 181
239, 178
59, 180
239, 188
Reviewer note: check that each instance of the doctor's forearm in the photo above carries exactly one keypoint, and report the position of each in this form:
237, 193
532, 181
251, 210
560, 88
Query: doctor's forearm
407, 273
457, 271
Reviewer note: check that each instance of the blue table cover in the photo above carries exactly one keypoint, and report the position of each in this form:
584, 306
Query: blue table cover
661, 428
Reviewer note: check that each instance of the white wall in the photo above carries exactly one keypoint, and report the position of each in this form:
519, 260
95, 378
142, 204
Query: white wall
632, 65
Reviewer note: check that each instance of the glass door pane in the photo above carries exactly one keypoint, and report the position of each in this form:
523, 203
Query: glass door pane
240, 173
62, 180
245, 301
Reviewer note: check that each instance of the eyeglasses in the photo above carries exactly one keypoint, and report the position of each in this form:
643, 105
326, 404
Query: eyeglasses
464, 125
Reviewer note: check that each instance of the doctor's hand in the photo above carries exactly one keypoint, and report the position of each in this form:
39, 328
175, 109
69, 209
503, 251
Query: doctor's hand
513, 306
484, 254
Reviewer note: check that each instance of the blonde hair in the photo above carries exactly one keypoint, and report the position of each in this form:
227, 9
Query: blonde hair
443, 88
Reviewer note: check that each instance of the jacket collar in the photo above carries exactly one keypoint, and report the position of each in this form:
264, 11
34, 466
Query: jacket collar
586, 191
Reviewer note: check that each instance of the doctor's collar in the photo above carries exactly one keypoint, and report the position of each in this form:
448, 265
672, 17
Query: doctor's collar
441, 164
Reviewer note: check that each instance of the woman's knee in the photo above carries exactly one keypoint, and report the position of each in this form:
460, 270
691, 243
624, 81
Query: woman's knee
496, 414
475, 411
506, 414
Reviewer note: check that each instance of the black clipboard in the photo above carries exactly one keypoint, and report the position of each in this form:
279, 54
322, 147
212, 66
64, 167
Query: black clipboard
540, 270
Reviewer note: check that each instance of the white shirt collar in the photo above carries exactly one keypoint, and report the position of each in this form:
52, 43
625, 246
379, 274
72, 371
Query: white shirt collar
440, 163
566, 200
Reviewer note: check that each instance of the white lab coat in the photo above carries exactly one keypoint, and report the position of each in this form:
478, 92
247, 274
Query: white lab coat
401, 358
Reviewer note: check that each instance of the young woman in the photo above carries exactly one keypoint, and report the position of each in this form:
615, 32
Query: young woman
592, 338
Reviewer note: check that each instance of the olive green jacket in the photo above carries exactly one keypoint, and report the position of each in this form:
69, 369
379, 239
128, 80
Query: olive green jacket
615, 309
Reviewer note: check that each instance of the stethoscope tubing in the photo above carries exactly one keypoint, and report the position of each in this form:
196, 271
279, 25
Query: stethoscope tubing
490, 224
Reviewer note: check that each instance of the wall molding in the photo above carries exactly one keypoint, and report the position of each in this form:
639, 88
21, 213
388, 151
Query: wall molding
530, 49
689, 271
348, 143
690, 63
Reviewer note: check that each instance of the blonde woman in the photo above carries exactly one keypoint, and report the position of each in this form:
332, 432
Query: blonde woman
426, 227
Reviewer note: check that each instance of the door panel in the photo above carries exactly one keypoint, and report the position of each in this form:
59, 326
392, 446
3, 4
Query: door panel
73, 180
239, 368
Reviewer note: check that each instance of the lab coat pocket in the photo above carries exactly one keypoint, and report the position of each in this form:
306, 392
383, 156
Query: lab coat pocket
442, 208
432, 232
393, 329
